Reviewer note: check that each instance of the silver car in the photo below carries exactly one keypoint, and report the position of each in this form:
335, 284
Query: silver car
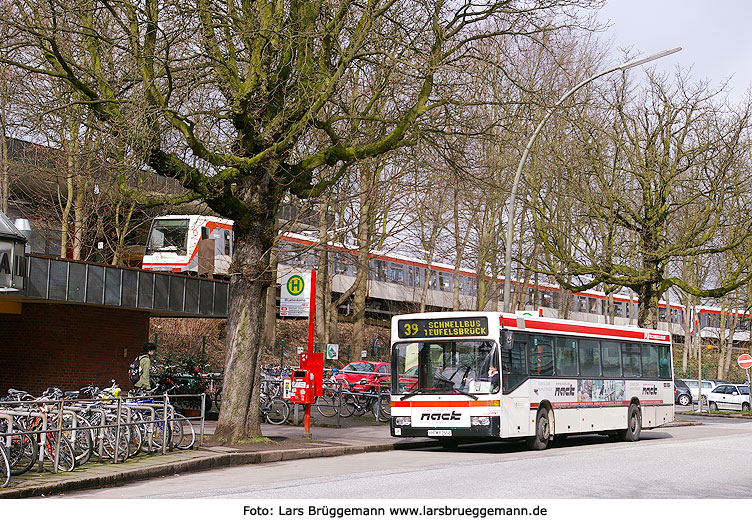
707, 386
729, 397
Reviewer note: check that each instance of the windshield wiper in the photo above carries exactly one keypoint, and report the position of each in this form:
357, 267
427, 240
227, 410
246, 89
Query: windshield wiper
406, 396
453, 390
474, 397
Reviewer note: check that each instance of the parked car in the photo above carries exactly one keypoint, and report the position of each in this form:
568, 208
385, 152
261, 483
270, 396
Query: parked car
364, 376
682, 393
729, 397
409, 379
707, 385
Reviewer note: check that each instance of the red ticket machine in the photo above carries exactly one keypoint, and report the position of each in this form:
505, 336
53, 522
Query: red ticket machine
302, 390
314, 363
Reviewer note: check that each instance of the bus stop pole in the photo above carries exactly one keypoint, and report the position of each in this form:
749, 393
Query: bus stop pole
311, 319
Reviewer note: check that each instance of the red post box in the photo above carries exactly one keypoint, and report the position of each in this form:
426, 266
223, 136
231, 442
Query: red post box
302, 387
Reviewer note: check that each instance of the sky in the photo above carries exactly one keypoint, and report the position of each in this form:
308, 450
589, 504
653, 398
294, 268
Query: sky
714, 36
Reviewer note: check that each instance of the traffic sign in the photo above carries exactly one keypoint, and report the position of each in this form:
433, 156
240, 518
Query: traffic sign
295, 295
332, 351
745, 361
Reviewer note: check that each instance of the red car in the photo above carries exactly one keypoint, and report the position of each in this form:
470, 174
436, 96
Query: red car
365, 376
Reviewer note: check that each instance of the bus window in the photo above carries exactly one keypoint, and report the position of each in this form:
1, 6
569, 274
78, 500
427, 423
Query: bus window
649, 360
630, 356
611, 358
541, 355
664, 361
514, 363
590, 358
566, 357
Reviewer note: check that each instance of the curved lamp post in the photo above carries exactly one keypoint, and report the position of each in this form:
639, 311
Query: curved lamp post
513, 195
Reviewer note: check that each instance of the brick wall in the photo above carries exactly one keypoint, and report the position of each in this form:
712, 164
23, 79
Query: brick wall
68, 346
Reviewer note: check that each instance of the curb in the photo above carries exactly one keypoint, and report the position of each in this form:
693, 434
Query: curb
227, 459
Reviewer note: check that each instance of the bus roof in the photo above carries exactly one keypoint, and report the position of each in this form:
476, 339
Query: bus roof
544, 325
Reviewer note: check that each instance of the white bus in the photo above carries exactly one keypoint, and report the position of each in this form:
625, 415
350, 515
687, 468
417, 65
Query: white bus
556, 377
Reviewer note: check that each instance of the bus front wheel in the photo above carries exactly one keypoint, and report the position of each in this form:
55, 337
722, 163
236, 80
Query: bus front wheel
542, 432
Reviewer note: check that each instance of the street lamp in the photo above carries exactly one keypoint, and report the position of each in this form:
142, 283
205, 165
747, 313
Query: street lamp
513, 195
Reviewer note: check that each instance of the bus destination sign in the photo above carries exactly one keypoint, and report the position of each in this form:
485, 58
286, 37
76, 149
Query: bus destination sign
443, 327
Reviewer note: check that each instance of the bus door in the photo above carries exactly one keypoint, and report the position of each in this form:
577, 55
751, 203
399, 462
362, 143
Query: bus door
516, 393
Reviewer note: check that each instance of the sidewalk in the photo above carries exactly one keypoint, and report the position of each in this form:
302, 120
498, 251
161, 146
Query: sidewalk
357, 437
326, 441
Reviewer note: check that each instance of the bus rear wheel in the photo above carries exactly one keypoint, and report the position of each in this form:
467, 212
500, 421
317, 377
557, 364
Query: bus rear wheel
634, 425
542, 432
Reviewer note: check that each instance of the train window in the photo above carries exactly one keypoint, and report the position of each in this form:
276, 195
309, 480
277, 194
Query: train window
228, 238
380, 267
396, 275
204, 233
547, 300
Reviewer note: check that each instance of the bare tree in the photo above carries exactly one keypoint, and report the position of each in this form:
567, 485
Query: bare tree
230, 95
668, 153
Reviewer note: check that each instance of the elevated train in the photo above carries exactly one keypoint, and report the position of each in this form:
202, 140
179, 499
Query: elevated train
396, 281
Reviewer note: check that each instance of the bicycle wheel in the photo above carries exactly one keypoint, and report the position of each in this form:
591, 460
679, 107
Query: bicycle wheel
349, 407
116, 441
67, 459
135, 440
4, 467
278, 411
187, 433
382, 410
22, 454
158, 435
80, 437
326, 405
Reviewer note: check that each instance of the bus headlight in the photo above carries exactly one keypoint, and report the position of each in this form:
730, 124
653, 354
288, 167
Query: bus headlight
480, 421
402, 421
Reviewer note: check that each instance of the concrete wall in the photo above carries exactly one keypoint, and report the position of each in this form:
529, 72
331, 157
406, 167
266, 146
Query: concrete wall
68, 346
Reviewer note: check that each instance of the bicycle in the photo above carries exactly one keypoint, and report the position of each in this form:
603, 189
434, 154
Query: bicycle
274, 410
4, 466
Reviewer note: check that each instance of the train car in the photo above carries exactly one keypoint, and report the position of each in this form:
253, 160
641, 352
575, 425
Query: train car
173, 243
396, 280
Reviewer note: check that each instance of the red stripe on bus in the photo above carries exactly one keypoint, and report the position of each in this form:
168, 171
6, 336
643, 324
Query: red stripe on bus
600, 403
532, 323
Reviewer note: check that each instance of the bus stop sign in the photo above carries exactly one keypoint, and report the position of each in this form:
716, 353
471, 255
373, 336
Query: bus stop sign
745, 361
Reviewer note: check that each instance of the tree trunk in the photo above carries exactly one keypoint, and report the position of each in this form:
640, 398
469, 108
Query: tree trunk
323, 278
687, 335
250, 276
647, 305
4, 167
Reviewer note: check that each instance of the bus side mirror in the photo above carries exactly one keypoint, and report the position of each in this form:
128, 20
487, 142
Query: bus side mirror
507, 339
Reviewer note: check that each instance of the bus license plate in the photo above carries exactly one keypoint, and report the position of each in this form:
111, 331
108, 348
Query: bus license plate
439, 432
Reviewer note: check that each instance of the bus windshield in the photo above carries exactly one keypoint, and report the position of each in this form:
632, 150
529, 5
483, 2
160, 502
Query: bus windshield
446, 367
168, 235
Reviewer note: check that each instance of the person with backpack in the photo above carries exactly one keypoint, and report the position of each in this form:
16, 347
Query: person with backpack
140, 370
